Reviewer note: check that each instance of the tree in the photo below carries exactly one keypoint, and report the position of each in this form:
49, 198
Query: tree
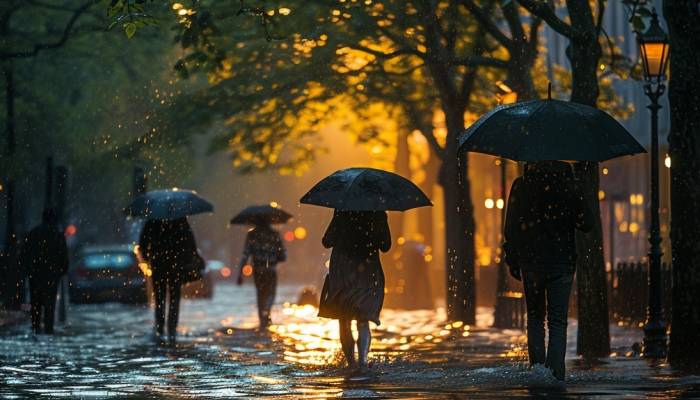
17, 44
426, 54
682, 17
585, 53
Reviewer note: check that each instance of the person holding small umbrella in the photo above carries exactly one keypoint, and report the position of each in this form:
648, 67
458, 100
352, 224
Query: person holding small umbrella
168, 245
358, 232
263, 245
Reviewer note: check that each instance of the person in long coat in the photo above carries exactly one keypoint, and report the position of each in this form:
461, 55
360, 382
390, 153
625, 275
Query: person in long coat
169, 248
545, 208
44, 256
354, 286
264, 246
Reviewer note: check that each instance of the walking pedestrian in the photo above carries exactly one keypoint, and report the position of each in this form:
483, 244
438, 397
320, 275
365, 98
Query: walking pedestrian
545, 208
354, 286
169, 247
44, 256
264, 246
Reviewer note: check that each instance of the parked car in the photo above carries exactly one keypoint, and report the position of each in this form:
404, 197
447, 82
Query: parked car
106, 274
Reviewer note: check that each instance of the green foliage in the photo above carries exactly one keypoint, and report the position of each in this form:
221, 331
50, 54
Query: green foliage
132, 14
97, 105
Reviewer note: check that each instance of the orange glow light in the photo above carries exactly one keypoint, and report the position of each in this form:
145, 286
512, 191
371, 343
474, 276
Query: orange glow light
225, 272
70, 230
289, 236
247, 270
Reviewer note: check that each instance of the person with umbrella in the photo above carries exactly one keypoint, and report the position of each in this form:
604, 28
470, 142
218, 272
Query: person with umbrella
354, 286
545, 206
168, 245
263, 245
544, 210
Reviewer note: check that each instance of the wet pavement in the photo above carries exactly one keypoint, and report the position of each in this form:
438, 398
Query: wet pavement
107, 351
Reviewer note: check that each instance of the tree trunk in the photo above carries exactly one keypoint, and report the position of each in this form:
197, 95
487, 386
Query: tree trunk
402, 166
425, 214
593, 322
459, 225
684, 148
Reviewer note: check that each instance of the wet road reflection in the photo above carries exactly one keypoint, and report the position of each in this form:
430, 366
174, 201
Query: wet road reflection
107, 351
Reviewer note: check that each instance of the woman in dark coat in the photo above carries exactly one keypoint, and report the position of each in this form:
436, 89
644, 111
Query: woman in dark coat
354, 287
169, 248
545, 208
264, 246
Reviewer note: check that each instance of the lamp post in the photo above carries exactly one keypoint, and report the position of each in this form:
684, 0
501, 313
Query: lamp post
501, 317
653, 46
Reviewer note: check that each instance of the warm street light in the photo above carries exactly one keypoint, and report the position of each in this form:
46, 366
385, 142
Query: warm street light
653, 47
501, 317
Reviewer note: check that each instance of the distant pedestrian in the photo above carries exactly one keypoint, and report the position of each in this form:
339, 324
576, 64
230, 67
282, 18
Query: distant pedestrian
545, 208
263, 245
44, 256
354, 286
170, 248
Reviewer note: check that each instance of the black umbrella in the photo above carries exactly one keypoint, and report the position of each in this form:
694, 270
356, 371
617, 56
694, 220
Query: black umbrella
261, 214
543, 130
366, 189
168, 204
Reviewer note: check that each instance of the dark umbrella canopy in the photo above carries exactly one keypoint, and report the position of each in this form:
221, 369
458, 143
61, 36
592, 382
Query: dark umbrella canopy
168, 204
261, 214
366, 189
547, 130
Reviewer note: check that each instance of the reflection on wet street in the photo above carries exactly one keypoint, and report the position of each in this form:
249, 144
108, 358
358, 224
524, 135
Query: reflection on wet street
108, 351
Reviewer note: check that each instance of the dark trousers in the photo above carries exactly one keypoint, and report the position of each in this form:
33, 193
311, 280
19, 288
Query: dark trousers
266, 287
547, 295
43, 299
161, 287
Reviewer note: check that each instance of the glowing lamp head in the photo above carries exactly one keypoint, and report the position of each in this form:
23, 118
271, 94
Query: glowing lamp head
653, 47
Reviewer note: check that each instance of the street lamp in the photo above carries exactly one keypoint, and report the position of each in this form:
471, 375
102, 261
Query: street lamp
653, 46
501, 317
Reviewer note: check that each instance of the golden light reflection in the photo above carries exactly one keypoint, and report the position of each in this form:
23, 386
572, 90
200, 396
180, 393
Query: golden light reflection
314, 342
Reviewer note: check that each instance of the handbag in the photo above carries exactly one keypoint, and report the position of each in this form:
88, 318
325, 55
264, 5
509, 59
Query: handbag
194, 270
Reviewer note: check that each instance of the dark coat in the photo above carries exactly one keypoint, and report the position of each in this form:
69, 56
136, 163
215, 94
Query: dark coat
264, 246
169, 247
354, 287
44, 254
545, 207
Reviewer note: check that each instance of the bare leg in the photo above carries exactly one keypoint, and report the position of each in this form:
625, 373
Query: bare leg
347, 341
363, 341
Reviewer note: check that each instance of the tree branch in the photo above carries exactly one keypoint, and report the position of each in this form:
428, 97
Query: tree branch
544, 11
37, 47
485, 20
601, 13
512, 16
479, 61
381, 54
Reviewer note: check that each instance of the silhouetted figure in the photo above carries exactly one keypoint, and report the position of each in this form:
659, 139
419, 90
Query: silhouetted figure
264, 246
44, 256
354, 286
169, 247
545, 208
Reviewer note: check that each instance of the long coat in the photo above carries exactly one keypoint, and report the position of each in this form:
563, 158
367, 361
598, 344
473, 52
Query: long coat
44, 254
169, 247
545, 207
354, 286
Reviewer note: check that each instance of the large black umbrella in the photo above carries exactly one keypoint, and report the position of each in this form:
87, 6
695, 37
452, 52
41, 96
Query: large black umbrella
261, 214
168, 204
366, 189
543, 130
